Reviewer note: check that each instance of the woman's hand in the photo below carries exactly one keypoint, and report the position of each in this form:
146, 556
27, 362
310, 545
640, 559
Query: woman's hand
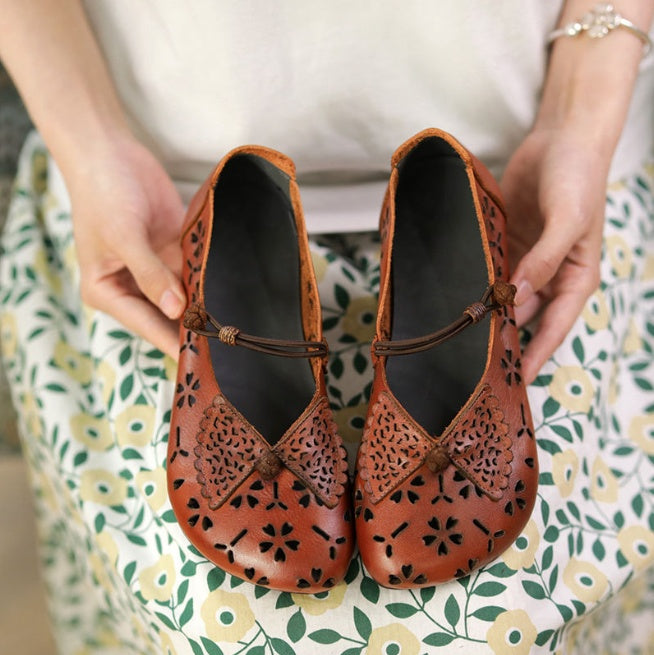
127, 214
555, 183
554, 187
127, 217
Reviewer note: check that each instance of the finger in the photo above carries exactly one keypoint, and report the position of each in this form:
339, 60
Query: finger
158, 283
526, 312
541, 263
137, 314
556, 321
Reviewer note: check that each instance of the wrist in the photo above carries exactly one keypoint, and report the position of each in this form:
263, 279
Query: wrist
590, 80
95, 145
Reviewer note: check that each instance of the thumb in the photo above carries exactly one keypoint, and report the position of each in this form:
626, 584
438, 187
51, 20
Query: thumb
156, 281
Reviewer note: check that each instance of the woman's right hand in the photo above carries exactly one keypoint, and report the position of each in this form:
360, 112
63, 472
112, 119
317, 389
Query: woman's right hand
127, 218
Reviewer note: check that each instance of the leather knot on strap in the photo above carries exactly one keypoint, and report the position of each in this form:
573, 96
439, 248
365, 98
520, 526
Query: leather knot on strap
437, 459
503, 293
269, 465
195, 318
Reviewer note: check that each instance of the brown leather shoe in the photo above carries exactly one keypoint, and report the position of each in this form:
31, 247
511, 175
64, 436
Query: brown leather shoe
447, 471
257, 474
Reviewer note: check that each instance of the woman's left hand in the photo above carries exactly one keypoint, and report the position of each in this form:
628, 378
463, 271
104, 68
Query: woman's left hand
554, 188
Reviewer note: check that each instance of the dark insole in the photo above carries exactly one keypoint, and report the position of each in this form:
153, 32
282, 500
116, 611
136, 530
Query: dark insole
252, 282
438, 269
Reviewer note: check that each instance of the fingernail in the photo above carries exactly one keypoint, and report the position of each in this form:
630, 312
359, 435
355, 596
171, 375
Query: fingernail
524, 292
171, 304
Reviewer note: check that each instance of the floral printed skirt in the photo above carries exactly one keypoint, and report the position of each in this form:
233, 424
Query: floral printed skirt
94, 406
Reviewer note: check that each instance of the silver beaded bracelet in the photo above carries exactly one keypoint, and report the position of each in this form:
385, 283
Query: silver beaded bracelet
599, 22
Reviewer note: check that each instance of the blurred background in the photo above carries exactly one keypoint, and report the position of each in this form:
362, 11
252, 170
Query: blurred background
24, 628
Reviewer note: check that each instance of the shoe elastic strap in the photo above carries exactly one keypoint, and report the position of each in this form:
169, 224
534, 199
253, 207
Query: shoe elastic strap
198, 320
496, 296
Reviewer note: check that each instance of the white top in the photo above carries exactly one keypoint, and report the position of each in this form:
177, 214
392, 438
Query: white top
336, 85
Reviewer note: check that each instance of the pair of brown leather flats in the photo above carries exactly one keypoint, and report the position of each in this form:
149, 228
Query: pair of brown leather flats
447, 470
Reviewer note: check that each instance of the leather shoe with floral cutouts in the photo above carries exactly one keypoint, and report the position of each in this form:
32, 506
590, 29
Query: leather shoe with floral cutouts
447, 471
257, 474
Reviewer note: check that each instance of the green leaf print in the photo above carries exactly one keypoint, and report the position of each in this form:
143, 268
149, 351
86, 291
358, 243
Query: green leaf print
296, 627
534, 589
487, 589
452, 611
362, 624
187, 614
401, 610
439, 639
281, 647
488, 613
325, 636
369, 589
211, 647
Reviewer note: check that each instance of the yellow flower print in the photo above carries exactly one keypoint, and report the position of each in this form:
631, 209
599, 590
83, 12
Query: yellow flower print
94, 433
135, 425
632, 341
565, 466
8, 335
393, 639
227, 616
103, 487
573, 633
603, 484
572, 387
359, 318
157, 580
70, 260
585, 580
108, 546
637, 545
620, 255
170, 368
105, 637
40, 171
512, 633
522, 552
632, 596
641, 432
46, 491
99, 570
153, 486
77, 366
318, 604
106, 376
648, 269
319, 265
31, 411
596, 311
44, 267
140, 630
350, 421
614, 384
166, 646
